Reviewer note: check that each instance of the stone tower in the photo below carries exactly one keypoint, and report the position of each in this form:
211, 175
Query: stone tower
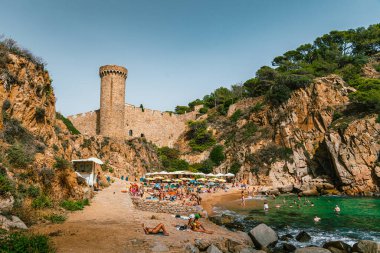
112, 100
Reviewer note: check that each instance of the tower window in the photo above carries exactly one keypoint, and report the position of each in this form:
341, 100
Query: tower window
142, 135
130, 132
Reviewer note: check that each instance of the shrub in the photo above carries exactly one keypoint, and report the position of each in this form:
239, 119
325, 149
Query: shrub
18, 156
217, 154
257, 107
206, 166
68, 123
200, 138
72, 205
86, 143
33, 191
47, 176
21, 242
111, 170
41, 201
6, 105
367, 96
235, 168
40, 114
55, 147
14, 131
6, 184
337, 115
203, 110
179, 109
56, 218
236, 115
278, 94
377, 67
378, 118
61, 163
249, 130
269, 155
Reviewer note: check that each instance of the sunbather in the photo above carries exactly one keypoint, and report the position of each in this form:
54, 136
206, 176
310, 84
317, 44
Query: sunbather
155, 230
196, 225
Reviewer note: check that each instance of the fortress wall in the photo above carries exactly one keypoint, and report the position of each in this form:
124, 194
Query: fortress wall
86, 123
161, 128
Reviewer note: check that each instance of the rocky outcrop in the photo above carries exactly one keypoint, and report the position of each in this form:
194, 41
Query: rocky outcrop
12, 222
354, 153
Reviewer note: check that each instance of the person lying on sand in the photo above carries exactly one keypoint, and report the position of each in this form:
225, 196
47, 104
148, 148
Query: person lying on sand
196, 225
155, 230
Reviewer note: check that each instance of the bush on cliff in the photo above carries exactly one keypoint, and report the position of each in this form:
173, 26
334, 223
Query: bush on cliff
6, 185
73, 205
170, 160
217, 154
68, 123
199, 137
61, 163
367, 96
19, 156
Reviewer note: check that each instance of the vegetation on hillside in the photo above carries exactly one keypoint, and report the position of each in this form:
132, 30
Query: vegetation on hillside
338, 52
68, 123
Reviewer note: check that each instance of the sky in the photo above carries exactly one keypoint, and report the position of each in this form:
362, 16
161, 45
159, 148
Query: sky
175, 50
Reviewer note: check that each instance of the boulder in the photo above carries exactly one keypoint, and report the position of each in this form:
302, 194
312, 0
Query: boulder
287, 247
201, 244
366, 246
286, 237
14, 222
263, 236
213, 249
223, 219
303, 237
286, 189
189, 248
6, 203
312, 192
337, 247
312, 250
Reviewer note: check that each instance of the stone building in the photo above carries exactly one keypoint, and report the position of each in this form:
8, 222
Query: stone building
117, 119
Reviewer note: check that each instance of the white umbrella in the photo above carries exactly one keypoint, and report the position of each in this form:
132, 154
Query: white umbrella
229, 175
210, 175
179, 172
163, 172
219, 175
199, 174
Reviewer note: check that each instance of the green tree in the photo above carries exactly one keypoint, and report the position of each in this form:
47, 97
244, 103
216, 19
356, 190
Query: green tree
217, 154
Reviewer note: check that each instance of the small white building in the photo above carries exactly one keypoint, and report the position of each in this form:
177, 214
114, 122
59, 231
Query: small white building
87, 169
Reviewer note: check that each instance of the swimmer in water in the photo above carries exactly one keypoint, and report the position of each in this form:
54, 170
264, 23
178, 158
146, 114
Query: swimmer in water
242, 198
337, 209
312, 204
317, 219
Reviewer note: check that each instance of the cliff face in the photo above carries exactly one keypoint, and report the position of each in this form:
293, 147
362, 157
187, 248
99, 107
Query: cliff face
301, 145
28, 120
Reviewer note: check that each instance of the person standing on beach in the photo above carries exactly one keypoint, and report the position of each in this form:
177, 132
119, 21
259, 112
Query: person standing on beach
266, 206
242, 198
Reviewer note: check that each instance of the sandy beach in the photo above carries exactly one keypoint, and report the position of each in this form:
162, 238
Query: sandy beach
112, 224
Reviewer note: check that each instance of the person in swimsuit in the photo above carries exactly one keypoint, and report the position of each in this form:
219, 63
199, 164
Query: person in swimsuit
196, 225
160, 227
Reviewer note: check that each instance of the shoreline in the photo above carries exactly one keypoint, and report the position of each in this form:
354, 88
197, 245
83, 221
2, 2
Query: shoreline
210, 199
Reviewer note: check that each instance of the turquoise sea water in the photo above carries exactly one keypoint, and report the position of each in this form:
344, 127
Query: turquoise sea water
359, 218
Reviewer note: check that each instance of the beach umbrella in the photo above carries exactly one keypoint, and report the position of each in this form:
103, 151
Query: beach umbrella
210, 175
185, 179
221, 180
202, 179
163, 173
177, 180
167, 180
219, 175
148, 174
158, 177
229, 175
149, 178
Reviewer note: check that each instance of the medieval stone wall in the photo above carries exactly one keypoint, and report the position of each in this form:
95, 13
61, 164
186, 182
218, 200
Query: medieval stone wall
162, 128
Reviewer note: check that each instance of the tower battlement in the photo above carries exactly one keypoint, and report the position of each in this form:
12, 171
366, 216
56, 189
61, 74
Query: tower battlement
113, 69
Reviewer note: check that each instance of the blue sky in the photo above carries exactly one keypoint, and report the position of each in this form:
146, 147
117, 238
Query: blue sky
175, 50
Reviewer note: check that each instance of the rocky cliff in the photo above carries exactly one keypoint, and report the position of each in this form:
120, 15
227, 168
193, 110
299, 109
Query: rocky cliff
306, 144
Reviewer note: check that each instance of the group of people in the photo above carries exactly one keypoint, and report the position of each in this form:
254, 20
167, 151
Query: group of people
193, 224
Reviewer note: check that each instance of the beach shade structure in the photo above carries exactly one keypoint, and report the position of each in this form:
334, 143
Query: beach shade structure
163, 173
229, 175
202, 179
149, 178
177, 180
219, 175
221, 180
148, 174
158, 178
199, 174
185, 179
210, 175
167, 180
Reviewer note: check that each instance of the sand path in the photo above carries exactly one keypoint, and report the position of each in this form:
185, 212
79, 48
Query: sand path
112, 224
